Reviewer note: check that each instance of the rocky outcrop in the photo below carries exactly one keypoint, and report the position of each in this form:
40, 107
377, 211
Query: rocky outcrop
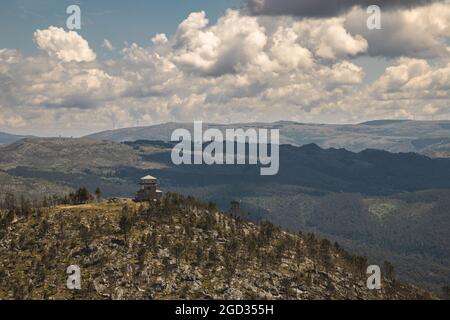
176, 248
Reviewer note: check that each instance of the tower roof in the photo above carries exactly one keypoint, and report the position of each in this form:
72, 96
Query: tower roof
149, 177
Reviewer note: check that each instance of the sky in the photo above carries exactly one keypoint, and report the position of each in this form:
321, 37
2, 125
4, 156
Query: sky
144, 62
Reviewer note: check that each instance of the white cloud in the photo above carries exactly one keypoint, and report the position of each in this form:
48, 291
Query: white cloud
286, 50
329, 39
430, 109
211, 50
414, 79
396, 77
107, 45
345, 73
160, 38
64, 45
12, 121
419, 32
241, 68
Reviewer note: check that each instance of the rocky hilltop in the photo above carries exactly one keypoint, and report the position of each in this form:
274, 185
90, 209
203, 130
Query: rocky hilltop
176, 248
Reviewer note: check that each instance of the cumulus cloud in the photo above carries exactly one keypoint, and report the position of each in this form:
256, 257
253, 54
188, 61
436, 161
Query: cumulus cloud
160, 38
413, 79
233, 44
287, 51
420, 32
324, 8
64, 45
344, 73
240, 68
42, 82
329, 39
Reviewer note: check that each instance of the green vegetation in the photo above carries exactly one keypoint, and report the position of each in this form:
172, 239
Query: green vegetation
173, 249
374, 203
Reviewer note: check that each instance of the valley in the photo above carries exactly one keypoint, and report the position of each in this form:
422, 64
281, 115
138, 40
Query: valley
383, 205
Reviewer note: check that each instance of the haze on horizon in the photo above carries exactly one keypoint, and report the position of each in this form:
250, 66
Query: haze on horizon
227, 62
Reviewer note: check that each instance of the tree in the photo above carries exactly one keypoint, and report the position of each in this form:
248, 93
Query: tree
325, 255
25, 207
82, 196
230, 267
142, 256
45, 203
178, 250
98, 194
199, 255
10, 202
125, 222
267, 231
85, 235
389, 270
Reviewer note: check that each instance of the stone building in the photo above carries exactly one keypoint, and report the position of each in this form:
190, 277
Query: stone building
148, 189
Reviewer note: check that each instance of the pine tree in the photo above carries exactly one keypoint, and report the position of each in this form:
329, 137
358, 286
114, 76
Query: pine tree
125, 222
98, 194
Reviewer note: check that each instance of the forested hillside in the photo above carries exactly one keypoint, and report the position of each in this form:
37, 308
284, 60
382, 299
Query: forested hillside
177, 248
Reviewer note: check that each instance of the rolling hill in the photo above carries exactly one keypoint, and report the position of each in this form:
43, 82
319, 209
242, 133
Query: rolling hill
431, 138
6, 138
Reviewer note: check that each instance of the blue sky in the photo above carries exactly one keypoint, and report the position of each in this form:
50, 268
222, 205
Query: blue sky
118, 21
115, 20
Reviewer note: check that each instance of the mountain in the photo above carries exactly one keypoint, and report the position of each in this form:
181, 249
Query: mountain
6, 138
387, 206
65, 154
431, 138
178, 248
32, 188
64, 164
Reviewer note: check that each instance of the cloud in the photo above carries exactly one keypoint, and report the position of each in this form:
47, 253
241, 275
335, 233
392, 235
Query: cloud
287, 51
421, 32
323, 8
107, 45
233, 44
329, 39
64, 45
344, 73
240, 68
160, 38
430, 109
12, 121
42, 82
413, 79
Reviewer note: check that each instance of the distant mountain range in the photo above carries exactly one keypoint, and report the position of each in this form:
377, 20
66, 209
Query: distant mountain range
431, 138
6, 138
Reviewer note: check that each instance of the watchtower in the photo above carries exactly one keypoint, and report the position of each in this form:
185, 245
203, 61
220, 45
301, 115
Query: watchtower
148, 189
